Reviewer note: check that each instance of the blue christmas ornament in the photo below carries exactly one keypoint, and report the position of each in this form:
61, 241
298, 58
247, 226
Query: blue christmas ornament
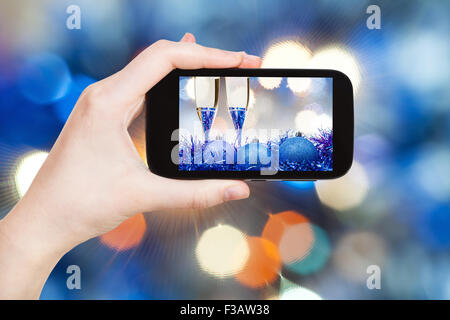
298, 149
254, 154
218, 152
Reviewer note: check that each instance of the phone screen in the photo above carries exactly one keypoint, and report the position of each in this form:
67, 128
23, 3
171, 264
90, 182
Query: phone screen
252, 123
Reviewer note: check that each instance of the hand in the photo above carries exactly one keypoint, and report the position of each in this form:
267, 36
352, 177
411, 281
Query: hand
93, 178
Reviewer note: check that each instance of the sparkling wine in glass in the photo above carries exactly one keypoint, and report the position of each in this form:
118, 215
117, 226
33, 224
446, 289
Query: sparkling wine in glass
206, 98
238, 95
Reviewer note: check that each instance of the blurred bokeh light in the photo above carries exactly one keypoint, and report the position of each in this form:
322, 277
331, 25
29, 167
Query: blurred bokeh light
289, 54
127, 235
291, 291
189, 89
44, 78
278, 223
263, 264
222, 251
346, 192
27, 169
309, 122
356, 251
340, 59
391, 209
299, 293
316, 258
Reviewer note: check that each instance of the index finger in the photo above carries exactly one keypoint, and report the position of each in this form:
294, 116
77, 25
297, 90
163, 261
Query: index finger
155, 62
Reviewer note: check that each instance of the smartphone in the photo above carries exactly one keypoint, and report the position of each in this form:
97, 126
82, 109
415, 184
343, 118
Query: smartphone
251, 124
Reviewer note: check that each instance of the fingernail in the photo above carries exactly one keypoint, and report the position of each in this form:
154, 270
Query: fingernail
188, 37
235, 193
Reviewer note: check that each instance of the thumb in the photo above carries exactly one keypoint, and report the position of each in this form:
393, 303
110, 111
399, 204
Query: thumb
163, 193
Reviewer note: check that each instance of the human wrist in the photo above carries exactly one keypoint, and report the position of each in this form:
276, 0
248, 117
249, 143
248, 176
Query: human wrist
30, 247
26, 259
29, 230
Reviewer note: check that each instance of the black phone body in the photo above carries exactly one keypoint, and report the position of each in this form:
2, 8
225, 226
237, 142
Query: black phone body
299, 152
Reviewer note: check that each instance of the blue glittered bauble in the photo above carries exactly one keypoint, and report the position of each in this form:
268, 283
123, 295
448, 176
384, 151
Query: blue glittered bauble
298, 149
218, 152
254, 154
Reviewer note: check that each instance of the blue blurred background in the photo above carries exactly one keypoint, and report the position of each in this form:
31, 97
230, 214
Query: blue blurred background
293, 239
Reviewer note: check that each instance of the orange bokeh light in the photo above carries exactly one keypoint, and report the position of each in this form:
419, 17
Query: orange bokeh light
139, 144
278, 223
263, 264
127, 235
296, 243
292, 234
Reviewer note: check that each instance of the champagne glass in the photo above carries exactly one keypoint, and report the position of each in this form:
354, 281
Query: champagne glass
206, 98
238, 95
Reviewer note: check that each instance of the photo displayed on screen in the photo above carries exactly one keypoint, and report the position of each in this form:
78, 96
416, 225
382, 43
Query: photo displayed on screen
241, 124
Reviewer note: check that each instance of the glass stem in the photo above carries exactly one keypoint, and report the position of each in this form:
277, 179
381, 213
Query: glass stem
239, 137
